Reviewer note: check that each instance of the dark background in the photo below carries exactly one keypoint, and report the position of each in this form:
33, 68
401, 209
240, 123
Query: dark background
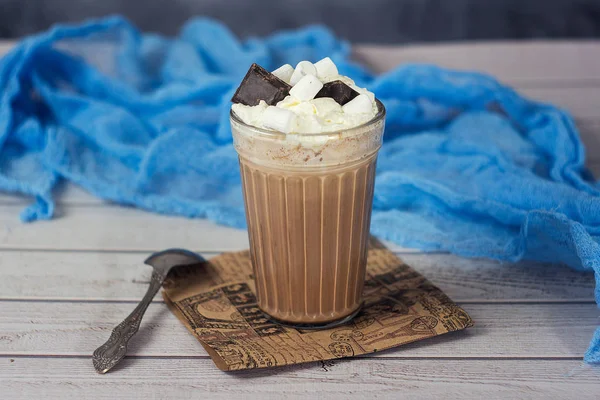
373, 21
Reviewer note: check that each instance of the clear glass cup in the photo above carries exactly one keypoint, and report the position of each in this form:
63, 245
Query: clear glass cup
308, 200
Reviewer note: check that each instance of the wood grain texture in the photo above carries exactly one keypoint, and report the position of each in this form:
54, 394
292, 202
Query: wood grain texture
481, 280
580, 102
516, 63
529, 61
98, 276
595, 169
589, 131
64, 284
114, 228
501, 330
140, 378
64, 194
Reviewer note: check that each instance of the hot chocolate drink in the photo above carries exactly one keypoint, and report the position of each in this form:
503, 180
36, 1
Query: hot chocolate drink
308, 171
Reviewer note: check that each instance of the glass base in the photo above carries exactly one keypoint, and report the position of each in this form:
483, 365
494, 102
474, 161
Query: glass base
315, 326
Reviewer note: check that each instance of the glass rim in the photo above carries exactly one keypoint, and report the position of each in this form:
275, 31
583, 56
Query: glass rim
269, 132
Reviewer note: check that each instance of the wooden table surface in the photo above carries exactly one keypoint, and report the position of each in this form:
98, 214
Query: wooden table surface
65, 283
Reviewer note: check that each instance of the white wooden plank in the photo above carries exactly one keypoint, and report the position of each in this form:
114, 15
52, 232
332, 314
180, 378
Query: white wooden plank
477, 280
565, 74
514, 62
581, 102
595, 169
14, 198
589, 131
123, 277
65, 194
5, 46
33, 275
510, 60
30, 378
114, 228
501, 330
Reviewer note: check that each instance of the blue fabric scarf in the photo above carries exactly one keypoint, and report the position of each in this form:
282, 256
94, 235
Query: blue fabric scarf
468, 166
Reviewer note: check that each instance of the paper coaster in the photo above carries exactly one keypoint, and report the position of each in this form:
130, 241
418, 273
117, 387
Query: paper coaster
216, 302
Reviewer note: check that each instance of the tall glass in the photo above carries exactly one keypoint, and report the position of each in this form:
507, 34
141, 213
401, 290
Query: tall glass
308, 201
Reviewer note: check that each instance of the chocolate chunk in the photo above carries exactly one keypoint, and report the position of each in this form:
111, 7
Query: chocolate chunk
259, 84
338, 91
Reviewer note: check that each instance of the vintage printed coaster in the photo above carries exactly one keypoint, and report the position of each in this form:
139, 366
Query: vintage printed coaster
216, 302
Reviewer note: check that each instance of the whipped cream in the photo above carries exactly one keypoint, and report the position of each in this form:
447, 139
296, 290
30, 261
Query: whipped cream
306, 114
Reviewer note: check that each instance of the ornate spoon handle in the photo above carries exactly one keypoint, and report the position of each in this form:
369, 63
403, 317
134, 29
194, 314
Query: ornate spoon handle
110, 353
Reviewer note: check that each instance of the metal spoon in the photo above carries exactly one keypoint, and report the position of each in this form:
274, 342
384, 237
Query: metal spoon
113, 351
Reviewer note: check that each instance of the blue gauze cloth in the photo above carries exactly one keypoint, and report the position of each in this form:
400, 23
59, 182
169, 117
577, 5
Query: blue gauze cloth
468, 166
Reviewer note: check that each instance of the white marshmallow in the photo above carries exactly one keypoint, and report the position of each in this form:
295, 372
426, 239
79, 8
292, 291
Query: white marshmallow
306, 88
303, 68
284, 72
250, 114
326, 68
363, 91
288, 102
279, 119
361, 104
301, 108
316, 115
308, 123
326, 105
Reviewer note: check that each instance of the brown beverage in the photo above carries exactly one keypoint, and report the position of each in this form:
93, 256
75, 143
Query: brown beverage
308, 205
